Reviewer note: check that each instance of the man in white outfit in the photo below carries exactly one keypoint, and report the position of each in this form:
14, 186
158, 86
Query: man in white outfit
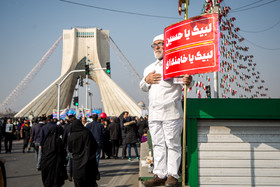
165, 119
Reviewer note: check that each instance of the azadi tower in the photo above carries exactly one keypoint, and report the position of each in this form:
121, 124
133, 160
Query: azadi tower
79, 43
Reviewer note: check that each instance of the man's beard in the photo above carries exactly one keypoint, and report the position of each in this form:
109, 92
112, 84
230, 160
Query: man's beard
158, 56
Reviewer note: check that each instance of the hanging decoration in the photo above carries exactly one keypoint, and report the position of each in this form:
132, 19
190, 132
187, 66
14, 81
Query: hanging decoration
238, 76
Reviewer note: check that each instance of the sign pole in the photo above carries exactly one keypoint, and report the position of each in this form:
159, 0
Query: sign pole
191, 47
216, 87
184, 119
184, 138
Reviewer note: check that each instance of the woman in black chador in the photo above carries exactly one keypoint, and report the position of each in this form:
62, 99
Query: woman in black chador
53, 157
83, 148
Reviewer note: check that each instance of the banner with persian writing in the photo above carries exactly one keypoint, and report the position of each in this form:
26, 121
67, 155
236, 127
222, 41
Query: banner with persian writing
191, 46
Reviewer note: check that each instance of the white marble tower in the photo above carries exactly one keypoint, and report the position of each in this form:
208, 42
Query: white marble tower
77, 44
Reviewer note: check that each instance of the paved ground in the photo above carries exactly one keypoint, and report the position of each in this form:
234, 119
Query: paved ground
21, 170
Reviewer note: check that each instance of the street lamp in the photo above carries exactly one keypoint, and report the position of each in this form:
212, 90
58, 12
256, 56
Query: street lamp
87, 73
58, 90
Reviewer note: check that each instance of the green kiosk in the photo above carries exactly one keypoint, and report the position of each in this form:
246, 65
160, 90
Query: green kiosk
231, 142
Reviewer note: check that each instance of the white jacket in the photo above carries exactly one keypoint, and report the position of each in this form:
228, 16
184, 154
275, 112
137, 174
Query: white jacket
164, 98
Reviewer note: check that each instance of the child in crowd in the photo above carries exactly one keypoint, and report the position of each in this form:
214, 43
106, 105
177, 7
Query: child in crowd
144, 137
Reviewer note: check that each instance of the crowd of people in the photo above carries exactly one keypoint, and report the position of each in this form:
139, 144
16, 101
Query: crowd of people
71, 148
78, 145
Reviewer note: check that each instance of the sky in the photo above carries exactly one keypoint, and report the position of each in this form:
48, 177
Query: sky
30, 27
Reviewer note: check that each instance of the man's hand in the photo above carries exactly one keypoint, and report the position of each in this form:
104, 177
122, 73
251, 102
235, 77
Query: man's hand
153, 78
187, 79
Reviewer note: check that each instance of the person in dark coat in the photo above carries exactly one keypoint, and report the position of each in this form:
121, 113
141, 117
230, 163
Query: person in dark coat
18, 127
131, 137
141, 124
66, 134
35, 138
98, 132
115, 135
25, 134
53, 155
123, 118
107, 148
83, 147
9, 130
3, 177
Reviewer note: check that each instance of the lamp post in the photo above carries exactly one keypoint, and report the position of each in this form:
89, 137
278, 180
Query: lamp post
87, 73
58, 90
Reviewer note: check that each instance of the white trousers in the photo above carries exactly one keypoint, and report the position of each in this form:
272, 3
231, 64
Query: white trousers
166, 146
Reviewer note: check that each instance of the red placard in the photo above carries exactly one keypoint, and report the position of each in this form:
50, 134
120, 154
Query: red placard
191, 47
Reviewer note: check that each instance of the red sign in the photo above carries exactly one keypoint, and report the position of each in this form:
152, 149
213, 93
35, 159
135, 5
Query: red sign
191, 47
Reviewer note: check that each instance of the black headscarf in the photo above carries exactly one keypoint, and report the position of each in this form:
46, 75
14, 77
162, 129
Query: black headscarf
77, 126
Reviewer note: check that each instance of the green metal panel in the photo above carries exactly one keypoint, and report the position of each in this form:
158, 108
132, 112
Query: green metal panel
267, 109
233, 108
192, 154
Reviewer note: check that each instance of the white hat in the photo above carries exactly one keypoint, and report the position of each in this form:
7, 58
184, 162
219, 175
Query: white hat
158, 37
